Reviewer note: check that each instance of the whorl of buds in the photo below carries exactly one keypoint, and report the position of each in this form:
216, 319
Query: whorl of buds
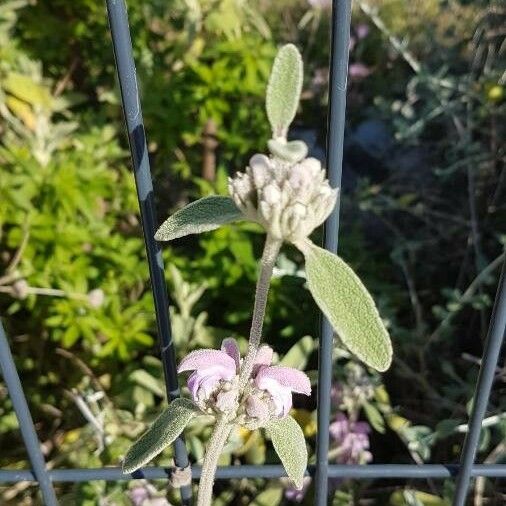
288, 199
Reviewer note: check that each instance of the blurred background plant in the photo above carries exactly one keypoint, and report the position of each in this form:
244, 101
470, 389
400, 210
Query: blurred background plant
423, 221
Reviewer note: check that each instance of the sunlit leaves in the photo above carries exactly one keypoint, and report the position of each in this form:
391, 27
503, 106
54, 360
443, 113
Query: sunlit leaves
348, 305
283, 90
290, 445
205, 214
165, 429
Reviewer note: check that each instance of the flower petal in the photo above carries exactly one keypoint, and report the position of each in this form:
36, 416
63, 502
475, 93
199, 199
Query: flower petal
229, 346
264, 355
296, 380
202, 359
280, 395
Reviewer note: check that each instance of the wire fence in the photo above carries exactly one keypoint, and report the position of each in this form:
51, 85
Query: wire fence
322, 470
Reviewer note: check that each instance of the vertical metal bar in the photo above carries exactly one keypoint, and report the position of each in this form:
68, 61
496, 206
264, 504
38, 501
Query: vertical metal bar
495, 338
340, 40
26, 426
122, 44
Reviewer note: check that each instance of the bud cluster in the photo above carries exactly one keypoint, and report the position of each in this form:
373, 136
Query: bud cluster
288, 199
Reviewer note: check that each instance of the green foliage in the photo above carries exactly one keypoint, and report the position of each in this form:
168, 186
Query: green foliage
73, 276
348, 306
165, 429
203, 215
290, 445
283, 90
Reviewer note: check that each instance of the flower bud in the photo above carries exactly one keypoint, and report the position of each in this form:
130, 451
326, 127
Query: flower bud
288, 199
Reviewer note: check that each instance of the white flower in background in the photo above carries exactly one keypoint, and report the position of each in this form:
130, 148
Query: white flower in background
288, 199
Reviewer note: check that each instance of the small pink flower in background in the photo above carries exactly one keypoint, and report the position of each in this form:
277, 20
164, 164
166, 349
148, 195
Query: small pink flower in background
359, 70
213, 383
352, 438
146, 494
296, 495
362, 31
320, 4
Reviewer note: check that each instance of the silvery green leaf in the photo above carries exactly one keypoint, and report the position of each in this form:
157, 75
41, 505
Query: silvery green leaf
205, 214
293, 151
283, 90
164, 430
290, 445
348, 305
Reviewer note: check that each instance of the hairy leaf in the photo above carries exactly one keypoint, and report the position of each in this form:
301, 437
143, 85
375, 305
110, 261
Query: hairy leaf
293, 151
165, 429
348, 305
290, 445
205, 214
283, 90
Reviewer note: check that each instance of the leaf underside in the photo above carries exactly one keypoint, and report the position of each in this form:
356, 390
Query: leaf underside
290, 445
348, 306
283, 90
164, 430
205, 214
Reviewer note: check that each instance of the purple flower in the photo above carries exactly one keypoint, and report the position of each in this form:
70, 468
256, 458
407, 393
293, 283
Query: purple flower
352, 438
213, 383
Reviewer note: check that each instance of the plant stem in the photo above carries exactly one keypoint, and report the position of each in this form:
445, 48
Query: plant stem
270, 253
223, 426
214, 448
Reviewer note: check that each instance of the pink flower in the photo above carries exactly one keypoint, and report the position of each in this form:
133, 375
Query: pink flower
362, 30
359, 70
211, 368
213, 383
280, 382
352, 438
320, 4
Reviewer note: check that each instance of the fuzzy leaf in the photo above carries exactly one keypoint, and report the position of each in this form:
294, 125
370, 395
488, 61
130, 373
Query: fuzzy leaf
205, 214
348, 305
293, 151
164, 430
290, 445
283, 90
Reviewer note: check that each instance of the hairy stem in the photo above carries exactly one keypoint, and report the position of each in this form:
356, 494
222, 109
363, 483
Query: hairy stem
271, 250
223, 426
214, 448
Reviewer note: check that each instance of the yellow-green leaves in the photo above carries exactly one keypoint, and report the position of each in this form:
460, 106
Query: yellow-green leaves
348, 306
165, 429
205, 214
283, 90
290, 445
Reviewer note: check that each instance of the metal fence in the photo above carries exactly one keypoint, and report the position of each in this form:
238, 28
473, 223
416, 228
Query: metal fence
322, 470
